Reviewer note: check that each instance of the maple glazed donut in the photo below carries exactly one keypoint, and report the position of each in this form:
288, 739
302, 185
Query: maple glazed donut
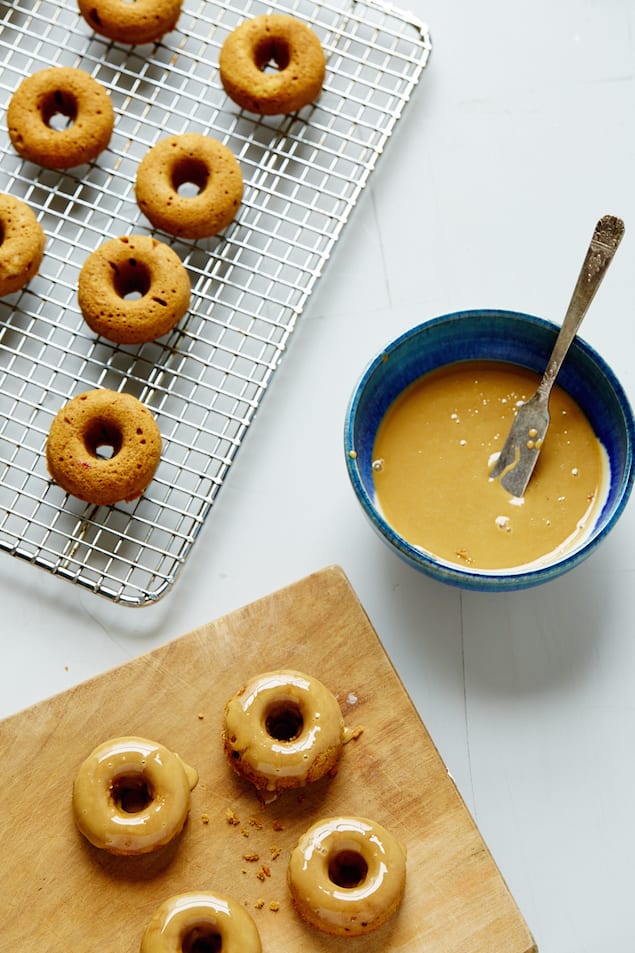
191, 922
347, 875
196, 160
21, 244
122, 267
103, 418
132, 796
284, 41
283, 729
66, 91
143, 21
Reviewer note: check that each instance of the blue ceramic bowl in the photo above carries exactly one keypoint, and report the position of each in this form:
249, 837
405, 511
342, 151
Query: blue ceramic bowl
497, 335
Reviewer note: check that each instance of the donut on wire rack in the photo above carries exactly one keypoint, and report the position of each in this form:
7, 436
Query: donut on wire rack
272, 39
22, 243
60, 91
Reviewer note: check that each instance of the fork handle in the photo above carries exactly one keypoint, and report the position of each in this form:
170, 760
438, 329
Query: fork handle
606, 238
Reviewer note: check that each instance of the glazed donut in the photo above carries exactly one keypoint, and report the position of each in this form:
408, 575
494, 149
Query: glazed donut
283, 729
132, 796
347, 875
196, 160
103, 418
191, 922
143, 21
60, 90
133, 264
272, 38
21, 244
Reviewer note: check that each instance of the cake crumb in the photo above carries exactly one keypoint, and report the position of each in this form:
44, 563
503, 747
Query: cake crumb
231, 817
264, 871
275, 851
251, 858
259, 904
244, 831
255, 823
200, 716
205, 818
274, 906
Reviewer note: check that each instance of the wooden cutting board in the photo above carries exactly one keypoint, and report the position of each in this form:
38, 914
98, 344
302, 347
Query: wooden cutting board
59, 894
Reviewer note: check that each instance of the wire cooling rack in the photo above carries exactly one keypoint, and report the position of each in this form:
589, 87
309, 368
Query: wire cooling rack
204, 381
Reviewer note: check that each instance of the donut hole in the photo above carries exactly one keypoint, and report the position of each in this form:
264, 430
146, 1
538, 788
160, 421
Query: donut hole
284, 721
103, 439
132, 793
202, 939
272, 51
59, 109
190, 176
132, 279
347, 869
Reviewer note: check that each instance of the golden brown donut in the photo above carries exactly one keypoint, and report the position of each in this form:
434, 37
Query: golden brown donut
283, 729
103, 418
121, 267
141, 21
272, 38
191, 922
347, 875
21, 244
194, 159
60, 90
132, 796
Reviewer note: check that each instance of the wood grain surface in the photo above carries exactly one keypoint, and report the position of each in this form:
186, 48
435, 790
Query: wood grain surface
59, 894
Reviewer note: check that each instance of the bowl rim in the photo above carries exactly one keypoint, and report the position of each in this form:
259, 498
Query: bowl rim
456, 575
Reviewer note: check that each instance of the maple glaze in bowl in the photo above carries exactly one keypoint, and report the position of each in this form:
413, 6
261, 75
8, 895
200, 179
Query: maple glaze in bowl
496, 335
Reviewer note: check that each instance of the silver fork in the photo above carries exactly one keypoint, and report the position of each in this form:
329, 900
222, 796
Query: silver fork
520, 452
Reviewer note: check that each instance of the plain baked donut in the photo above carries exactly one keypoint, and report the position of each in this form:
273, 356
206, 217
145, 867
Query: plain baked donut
143, 21
132, 265
60, 90
103, 418
191, 922
195, 160
21, 244
283, 729
347, 875
132, 796
279, 39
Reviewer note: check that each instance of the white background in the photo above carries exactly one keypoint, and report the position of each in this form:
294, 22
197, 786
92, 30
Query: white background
519, 137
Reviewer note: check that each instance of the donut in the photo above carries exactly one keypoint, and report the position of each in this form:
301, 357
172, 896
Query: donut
281, 40
21, 244
132, 796
143, 21
196, 160
123, 267
200, 923
103, 418
283, 729
347, 875
65, 91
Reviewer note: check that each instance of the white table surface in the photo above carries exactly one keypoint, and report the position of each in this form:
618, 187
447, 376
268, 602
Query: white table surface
519, 137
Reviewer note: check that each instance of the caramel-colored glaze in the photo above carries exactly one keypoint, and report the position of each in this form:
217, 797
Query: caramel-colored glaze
132, 796
347, 875
283, 729
435, 448
205, 921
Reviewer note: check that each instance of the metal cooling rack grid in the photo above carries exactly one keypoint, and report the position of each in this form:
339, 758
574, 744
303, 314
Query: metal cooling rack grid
204, 381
